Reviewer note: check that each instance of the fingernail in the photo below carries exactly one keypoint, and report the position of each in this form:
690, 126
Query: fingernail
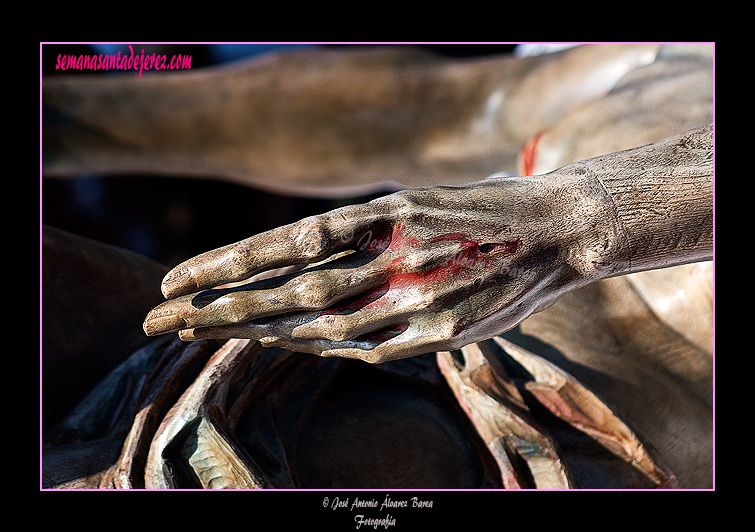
269, 341
163, 324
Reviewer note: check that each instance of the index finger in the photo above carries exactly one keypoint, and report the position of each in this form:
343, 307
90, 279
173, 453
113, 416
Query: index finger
309, 240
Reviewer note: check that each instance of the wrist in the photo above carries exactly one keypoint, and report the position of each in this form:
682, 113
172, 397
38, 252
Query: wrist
589, 230
662, 198
567, 219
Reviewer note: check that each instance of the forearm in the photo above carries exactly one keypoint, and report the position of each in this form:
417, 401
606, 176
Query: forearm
348, 120
662, 198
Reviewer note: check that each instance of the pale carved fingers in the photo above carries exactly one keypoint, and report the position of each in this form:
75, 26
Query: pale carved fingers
315, 239
411, 272
380, 340
309, 240
313, 288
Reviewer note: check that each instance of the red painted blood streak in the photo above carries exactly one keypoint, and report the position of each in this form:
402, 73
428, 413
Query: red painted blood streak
528, 154
473, 255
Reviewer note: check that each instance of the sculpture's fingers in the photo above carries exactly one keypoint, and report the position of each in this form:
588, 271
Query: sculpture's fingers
306, 241
402, 340
275, 333
312, 289
390, 343
372, 311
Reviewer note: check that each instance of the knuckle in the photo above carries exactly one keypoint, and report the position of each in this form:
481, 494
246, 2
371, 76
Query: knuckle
237, 258
354, 279
419, 216
407, 199
403, 199
311, 237
312, 292
417, 261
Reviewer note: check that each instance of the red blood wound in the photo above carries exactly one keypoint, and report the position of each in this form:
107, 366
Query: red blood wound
390, 240
528, 154
473, 255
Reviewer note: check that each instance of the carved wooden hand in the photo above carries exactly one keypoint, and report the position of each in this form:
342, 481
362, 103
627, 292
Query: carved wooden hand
437, 268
